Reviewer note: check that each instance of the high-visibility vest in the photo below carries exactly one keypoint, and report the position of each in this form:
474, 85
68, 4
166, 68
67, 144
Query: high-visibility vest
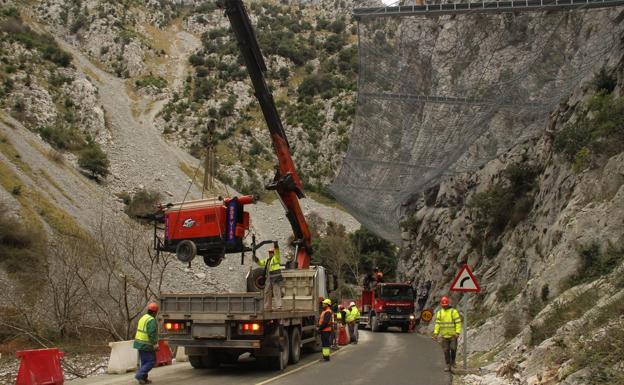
141, 333
275, 261
447, 323
353, 315
327, 328
339, 315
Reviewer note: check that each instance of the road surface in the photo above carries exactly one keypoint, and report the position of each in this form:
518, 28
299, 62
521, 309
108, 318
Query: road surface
390, 358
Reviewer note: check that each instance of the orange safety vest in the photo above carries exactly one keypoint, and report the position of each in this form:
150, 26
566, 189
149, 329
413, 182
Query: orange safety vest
329, 326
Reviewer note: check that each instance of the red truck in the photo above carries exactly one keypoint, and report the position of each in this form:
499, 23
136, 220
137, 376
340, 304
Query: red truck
387, 304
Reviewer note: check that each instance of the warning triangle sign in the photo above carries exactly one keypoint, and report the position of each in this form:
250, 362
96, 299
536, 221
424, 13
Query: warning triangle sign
465, 281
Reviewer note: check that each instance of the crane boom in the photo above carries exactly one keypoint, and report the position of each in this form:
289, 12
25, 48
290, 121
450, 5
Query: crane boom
286, 182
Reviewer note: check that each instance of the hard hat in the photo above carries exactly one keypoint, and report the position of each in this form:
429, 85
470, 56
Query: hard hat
327, 302
352, 304
153, 306
444, 301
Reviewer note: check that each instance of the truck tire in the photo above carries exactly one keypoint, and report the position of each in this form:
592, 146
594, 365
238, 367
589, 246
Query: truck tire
255, 280
186, 251
374, 324
295, 346
280, 362
196, 362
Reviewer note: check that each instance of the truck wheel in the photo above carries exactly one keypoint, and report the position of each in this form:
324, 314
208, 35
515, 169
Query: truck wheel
210, 360
196, 362
255, 280
295, 345
280, 362
374, 324
186, 251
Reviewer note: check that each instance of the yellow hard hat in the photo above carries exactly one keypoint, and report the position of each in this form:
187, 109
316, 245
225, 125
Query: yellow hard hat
327, 302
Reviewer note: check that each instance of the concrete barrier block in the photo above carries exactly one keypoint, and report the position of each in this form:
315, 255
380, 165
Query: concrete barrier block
123, 357
181, 354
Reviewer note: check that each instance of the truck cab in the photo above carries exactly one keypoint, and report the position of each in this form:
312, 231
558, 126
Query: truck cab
387, 304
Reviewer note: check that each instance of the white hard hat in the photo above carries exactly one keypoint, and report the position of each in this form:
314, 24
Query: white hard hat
352, 304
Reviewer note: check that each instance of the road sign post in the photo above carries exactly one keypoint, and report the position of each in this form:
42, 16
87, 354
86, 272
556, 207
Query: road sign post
465, 282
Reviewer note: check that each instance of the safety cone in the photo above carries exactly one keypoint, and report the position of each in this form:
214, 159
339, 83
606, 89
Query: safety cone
40, 367
163, 354
343, 337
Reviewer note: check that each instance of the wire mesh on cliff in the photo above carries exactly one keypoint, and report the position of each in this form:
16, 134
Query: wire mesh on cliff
442, 95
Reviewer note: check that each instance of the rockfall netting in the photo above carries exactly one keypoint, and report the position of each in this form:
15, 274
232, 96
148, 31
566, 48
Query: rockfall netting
441, 95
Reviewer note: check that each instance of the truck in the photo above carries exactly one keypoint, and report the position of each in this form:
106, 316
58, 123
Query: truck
217, 328
387, 304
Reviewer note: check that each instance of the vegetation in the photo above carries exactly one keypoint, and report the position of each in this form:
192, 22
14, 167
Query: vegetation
44, 43
560, 314
94, 160
151, 81
507, 292
142, 204
595, 262
20, 247
506, 202
599, 132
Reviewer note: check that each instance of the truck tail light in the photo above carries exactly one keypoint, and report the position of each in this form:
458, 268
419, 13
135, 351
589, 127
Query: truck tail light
175, 326
250, 328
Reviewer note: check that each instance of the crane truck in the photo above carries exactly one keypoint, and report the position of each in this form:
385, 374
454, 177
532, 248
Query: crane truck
217, 328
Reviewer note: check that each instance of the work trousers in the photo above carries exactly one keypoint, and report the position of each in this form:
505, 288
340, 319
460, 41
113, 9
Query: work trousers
449, 345
326, 343
272, 290
148, 360
353, 331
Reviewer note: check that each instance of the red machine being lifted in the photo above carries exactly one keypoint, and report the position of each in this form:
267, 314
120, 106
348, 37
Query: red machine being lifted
208, 227
211, 241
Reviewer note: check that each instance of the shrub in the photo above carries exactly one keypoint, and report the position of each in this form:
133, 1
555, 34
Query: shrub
44, 43
62, 137
600, 134
605, 80
560, 315
94, 160
594, 263
196, 60
20, 247
151, 80
507, 292
143, 203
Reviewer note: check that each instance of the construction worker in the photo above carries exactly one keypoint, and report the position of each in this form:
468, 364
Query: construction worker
448, 325
353, 319
146, 341
378, 275
273, 278
325, 328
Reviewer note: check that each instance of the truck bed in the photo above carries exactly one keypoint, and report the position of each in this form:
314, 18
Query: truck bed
299, 300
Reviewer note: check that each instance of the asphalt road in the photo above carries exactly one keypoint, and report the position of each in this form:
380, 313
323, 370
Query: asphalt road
390, 358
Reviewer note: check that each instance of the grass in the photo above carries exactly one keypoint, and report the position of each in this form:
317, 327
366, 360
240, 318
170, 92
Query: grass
595, 262
562, 314
601, 355
49, 179
7, 148
507, 292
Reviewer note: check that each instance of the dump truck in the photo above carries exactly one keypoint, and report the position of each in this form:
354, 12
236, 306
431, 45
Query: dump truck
218, 328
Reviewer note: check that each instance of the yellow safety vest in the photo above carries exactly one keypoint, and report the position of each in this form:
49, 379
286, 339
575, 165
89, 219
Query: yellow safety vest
447, 323
141, 333
353, 314
275, 261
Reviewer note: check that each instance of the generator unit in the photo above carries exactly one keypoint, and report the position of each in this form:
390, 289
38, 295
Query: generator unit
210, 228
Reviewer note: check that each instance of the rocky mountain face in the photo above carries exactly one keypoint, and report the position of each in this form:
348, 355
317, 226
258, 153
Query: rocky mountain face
541, 227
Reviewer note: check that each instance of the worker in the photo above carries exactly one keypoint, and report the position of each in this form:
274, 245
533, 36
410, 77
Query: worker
448, 325
341, 315
272, 282
146, 341
325, 328
378, 275
353, 319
